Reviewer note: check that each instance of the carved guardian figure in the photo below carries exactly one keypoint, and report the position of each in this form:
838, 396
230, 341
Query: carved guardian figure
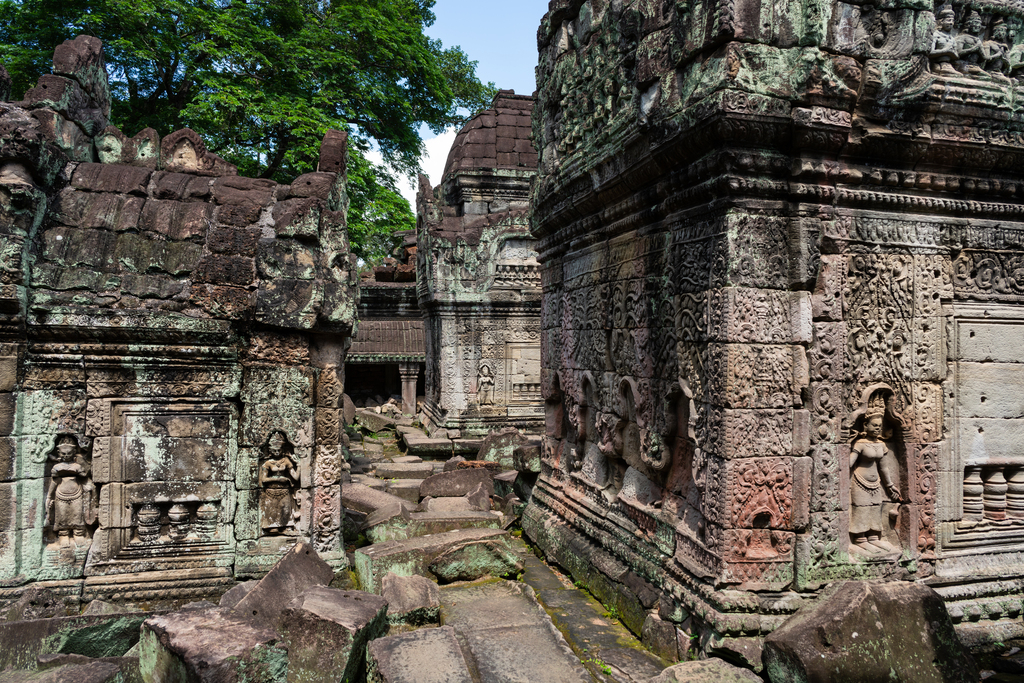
871, 479
279, 479
71, 501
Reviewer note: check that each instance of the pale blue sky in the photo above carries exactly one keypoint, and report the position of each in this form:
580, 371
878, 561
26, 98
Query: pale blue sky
501, 36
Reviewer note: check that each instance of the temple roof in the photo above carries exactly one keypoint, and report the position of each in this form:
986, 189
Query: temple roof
496, 138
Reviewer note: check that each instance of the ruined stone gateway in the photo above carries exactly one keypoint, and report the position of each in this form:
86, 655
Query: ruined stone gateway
172, 341
783, 272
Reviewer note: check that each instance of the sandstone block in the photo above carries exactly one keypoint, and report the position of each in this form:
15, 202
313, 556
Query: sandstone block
470, 561
327, 631
399, 525
81, 671
82, 60
414, 470
364, 499
372, 421
411, 599
211, 646
424, 656
300, 568
236, 593
457, 483
317, 185
706, 671
111, 178
859, 631
407, 489
416, 555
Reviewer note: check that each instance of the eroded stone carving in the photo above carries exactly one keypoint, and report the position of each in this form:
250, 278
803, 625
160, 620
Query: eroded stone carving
279, 480
72, 500
873, 476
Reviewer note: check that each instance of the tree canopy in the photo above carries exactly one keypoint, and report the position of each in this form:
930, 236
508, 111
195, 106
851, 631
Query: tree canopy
262, 80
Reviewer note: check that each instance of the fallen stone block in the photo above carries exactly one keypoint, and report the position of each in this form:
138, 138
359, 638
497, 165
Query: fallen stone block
706, 671
373, 422
413, 600
480, 498
127, 668
456, 483
100, 607
94, 636
299, 569
406, 489
415, 555
217, 645
398, 525
92, 671
236, 593
407, 459
526, 458
419, 444
452, 464
364, 499
327, 631
447, 505
499, 445
470, 561
860, 631
504, 483
412, 470
429, 655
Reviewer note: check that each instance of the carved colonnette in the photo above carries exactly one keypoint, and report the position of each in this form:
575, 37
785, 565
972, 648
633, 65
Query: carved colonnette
478, 279
780, 251
172, 356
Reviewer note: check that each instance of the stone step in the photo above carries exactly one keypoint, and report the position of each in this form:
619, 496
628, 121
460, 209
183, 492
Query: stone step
429, 655
506, 636
406, 459
419, 444
362, 498
400, 526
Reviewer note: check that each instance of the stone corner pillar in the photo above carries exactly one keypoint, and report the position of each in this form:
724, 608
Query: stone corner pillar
410, 373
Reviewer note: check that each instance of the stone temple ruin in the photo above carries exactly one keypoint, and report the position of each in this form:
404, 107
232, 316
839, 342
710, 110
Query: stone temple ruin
173, 340
781, 251
754, 270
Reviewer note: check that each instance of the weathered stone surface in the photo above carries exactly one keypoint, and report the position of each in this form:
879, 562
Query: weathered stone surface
372, 421
95, 636
300, 568
397, 524
452, 464
429, 655
413, 470
36, 603
327, 630
858, 632
100, 607
413, 600
508, 634
499, 445
364, 499
78, 672
415, 555
211, 646
457, 483
707, 671
469, 562
233, 596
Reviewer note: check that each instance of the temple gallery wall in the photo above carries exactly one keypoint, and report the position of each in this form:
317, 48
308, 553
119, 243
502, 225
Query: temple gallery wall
172, 344
781, 253
755, 270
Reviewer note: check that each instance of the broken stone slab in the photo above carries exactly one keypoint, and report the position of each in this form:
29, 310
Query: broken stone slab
407, 459
299, 569
415, 555
526, 458
418, 443
412, 470
452, 463
413, 600
706, 671
504, 483
92, 671
236, 593
327, 631
95, 636
216, 645
859, 631
373, 422
367, 500
395, 524
430, 655
461, 504
127, 667
470, 561
407, 489
456, 483
499, 445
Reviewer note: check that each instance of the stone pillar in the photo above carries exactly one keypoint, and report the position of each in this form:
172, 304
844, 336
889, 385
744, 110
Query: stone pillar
410, 373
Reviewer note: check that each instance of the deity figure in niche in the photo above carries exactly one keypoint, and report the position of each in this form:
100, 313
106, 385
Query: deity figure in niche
968, 46
872, 477
71, 501
943, 44
485, 386
279, 479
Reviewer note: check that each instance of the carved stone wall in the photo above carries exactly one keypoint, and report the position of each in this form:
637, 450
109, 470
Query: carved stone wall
478, 279
172, 343
781, 254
